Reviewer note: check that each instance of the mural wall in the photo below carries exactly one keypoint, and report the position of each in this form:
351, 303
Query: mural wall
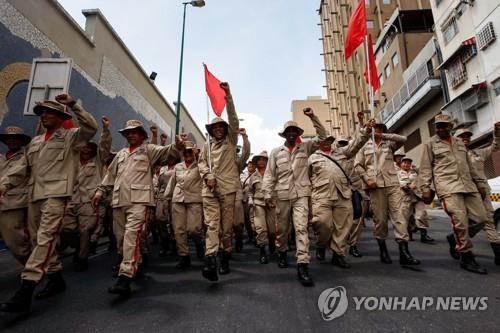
114, 96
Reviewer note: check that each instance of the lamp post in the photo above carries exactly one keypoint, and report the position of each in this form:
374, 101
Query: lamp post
195, 3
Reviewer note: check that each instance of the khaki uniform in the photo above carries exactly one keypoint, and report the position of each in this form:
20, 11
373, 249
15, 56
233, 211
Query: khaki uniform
386, 198
239, 208
287, 174
52, 169
449, 168
163, 211
131, 180
218, 205
14, 213
184, 189
411, 203
331, 195
249, 209
478, 158
80, 215
265, 217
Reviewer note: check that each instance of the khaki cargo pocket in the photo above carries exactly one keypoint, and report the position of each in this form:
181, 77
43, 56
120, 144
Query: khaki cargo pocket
55, 185
140, 193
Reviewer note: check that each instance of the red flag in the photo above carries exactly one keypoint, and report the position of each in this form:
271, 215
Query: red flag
215, 92
373, 79
356, 30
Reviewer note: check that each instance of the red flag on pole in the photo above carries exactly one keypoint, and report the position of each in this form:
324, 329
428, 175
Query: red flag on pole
371, 75
215, 92
356, 30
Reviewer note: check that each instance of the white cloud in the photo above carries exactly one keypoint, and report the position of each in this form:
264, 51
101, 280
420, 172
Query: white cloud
261, 137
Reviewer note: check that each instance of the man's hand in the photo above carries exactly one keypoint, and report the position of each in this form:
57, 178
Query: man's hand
427, 197
154, 129
64, 99
371, 183
483, 192
163, 139
413, 186
225, 87
105, 122
497, 125
179, 142
269, 203
211, 183
96, 200
308, 112
3, 190
243, 131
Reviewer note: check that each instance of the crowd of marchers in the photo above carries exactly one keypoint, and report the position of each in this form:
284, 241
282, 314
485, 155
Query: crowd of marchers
59, 190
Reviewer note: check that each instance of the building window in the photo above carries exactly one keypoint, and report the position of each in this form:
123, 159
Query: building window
496, 87
456, 72
438, 2
387, 2
450, 29
486, 36
367, 2
380, 79
387, 71
369, 24
413, 140
395, 59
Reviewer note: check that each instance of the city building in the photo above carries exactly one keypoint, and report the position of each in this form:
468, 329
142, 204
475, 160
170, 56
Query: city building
320, 108
347, 93
106, 76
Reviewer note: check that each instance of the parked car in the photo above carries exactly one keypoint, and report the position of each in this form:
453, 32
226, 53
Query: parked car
495, 198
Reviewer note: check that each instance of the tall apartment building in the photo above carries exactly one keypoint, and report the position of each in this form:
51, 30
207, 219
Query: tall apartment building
410, 92
347, 93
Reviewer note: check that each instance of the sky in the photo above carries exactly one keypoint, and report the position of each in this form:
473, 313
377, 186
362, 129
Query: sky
268, 51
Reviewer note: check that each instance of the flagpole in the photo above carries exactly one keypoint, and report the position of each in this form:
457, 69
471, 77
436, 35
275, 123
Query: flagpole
370, 97
208, 139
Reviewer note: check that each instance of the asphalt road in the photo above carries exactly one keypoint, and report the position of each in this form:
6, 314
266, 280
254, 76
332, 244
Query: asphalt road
258, 297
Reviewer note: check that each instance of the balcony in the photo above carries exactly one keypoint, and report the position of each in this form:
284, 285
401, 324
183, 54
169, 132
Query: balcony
422, 86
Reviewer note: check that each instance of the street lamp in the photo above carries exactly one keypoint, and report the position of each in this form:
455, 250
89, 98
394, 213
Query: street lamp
195, 3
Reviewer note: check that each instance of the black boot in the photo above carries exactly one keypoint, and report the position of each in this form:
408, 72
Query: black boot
224, 263
303, 275
452, 242
353, 251
239, 244
272, 245
263, 255
339, 261
320, 253
424, 237
121, 287
282, 260
200, 250
81, 265
384, 254
209, 271
405, 257
496, 251
21, 301
184, 262
54, 286
468, 263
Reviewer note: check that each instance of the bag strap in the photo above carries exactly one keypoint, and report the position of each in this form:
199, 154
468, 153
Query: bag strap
338, 165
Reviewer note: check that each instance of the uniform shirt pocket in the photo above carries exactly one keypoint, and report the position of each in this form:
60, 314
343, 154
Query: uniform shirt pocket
140, 193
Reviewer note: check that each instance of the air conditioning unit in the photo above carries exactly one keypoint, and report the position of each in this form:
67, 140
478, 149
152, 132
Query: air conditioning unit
463, 118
